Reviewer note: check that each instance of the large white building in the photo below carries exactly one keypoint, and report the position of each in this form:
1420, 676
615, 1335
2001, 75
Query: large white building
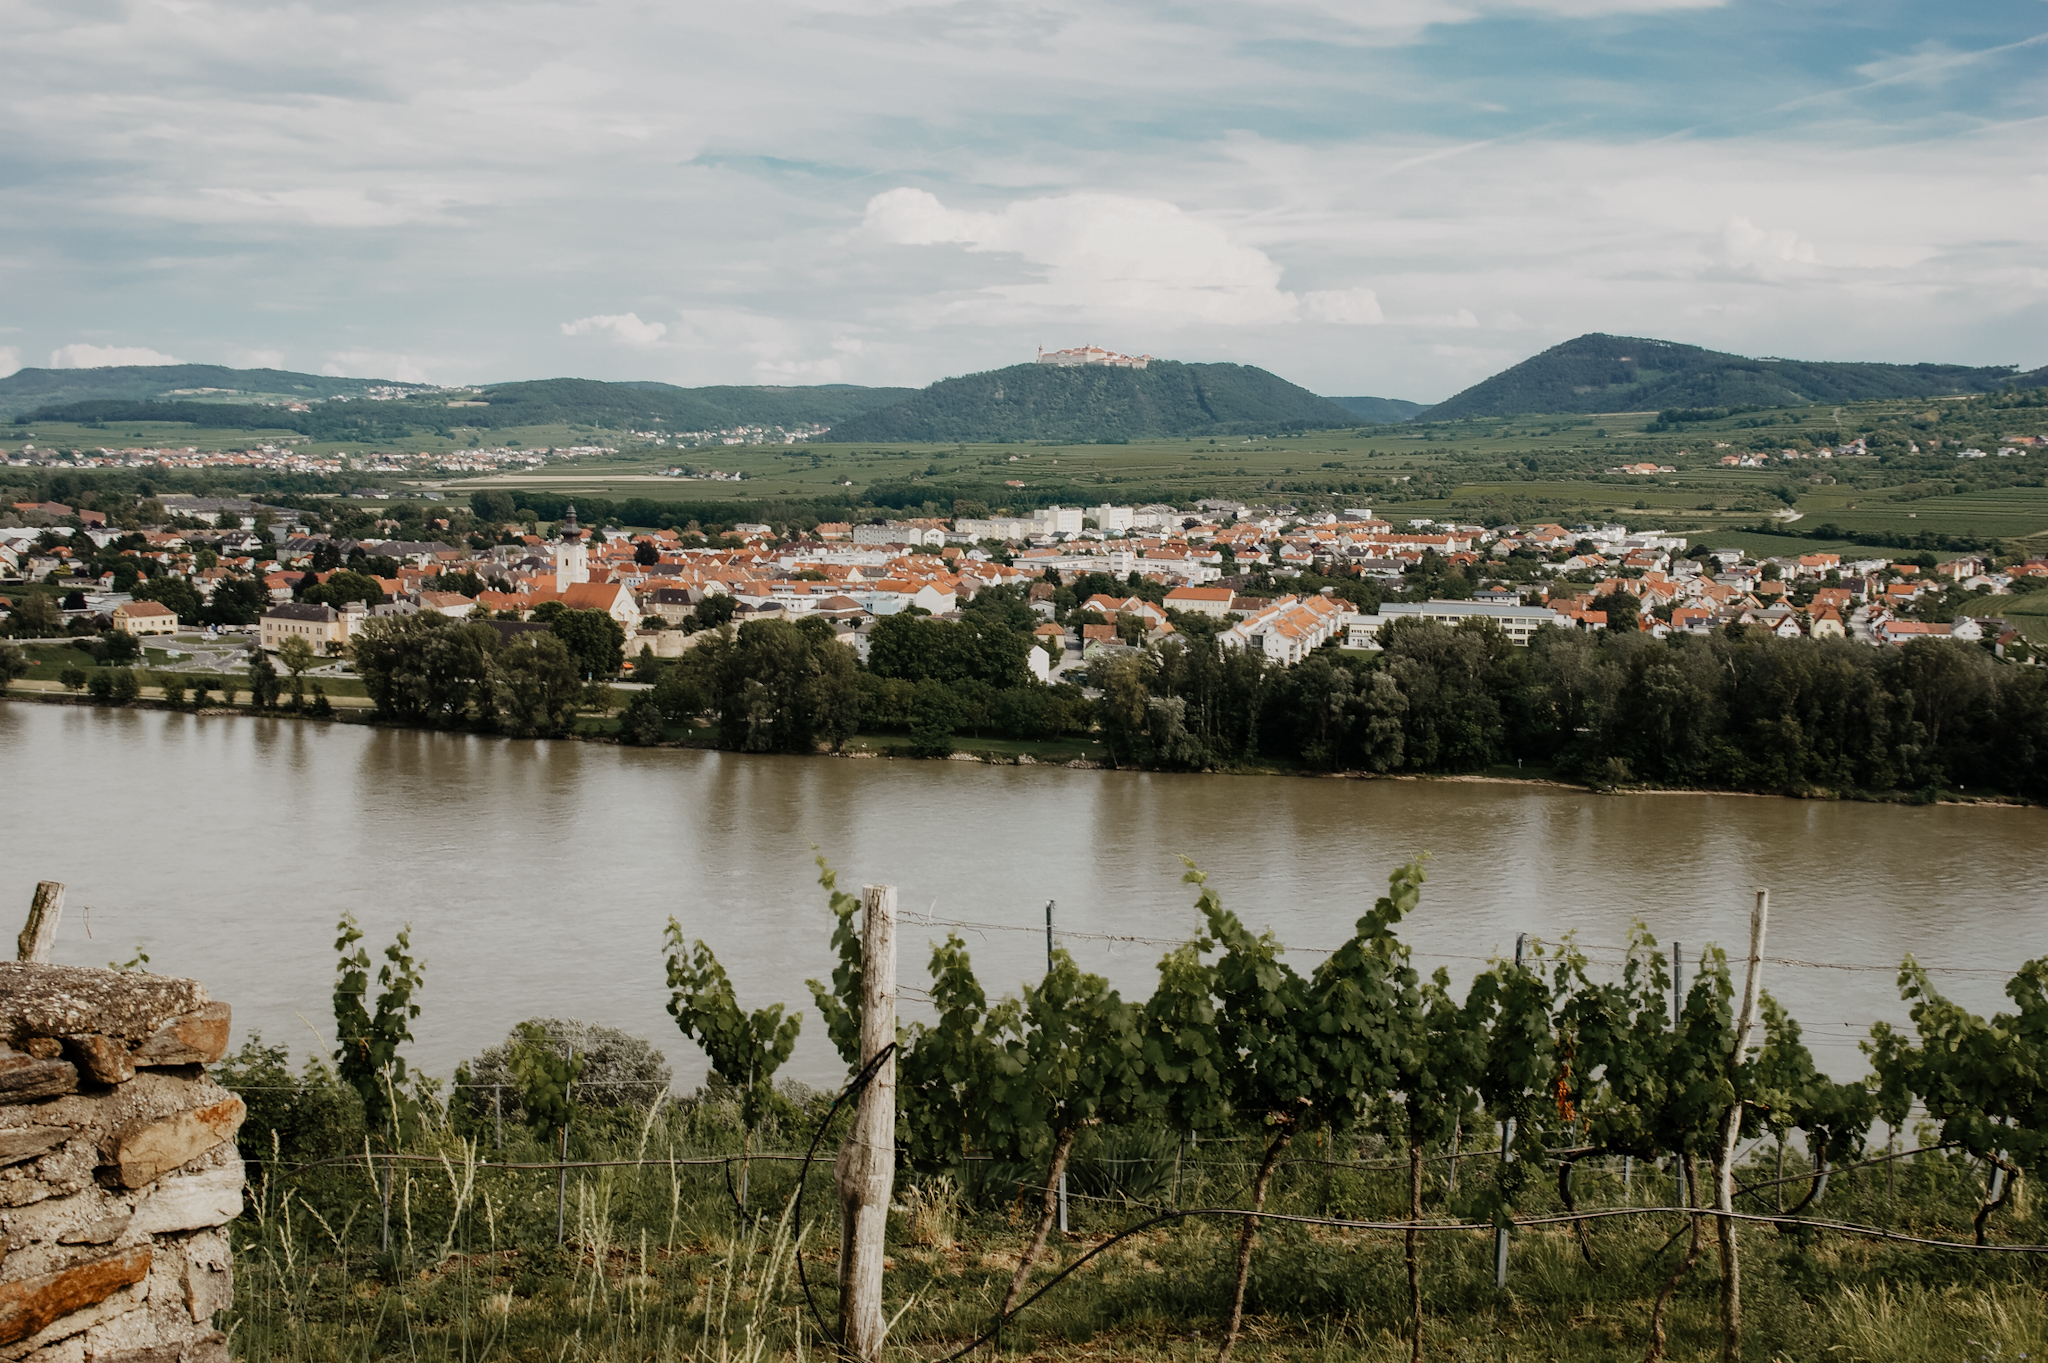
1518, 622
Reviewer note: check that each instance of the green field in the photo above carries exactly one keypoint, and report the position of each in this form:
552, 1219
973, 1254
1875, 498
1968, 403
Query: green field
1491, 470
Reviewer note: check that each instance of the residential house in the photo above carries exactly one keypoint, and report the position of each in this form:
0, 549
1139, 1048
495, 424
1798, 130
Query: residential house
145, 617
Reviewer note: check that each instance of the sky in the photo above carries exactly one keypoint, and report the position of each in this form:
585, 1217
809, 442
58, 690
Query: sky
1369, 197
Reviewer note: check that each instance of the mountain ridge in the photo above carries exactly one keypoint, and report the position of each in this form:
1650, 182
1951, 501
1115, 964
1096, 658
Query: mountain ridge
1094, 403
1602, 373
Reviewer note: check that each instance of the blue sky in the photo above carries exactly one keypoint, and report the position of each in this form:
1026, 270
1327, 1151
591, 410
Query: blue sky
1392, 198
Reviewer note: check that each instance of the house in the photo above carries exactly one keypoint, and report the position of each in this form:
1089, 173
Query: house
326, 629
1827, 624
452, 604
1111, 607
145, 617
1288, 630
610, 597
1213, 601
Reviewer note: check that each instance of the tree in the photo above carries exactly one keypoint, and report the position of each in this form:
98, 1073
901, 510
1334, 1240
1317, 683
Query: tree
1623, 611
71, 679
174, 592
342, 587
493, 507
596, 642
13, 664
236, 601
641, 723
35, 616
425, 668
534, 685
127, 686
263, 685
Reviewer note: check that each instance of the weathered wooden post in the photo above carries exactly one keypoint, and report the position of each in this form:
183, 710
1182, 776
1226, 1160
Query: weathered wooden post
867, 1161
1731, 1133
45, 911
1507, 1139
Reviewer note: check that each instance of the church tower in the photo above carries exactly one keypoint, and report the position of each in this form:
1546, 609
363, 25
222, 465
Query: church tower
572, 555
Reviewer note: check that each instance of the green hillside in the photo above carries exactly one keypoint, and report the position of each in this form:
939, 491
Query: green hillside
1601, 373
28, 390
253, 400
1381, 411
1046, 402
547, 402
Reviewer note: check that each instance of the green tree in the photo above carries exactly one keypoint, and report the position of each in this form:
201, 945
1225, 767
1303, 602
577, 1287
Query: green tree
174, 592
14, 664
596, 642
534, 685
71, 679
342, 587
127, 687
263, 684
236, 601
35, 616
425, 668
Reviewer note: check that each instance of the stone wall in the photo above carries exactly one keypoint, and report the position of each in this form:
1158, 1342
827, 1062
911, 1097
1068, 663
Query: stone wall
118, 1168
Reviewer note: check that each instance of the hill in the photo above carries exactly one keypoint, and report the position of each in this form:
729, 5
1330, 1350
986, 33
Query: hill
28, 390
1601, 373
1094, 403
546, 402
254, 399
1382, 411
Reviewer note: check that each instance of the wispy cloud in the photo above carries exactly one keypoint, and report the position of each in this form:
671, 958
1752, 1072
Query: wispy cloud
79, 355
1367, 195
625, 326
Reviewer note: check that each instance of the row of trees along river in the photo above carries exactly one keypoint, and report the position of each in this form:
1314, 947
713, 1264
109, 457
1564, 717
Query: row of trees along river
1739, 710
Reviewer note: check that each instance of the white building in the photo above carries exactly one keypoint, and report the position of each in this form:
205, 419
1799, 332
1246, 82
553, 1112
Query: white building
1111, 520
1517, 622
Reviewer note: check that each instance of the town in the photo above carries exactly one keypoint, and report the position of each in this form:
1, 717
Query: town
1168, 563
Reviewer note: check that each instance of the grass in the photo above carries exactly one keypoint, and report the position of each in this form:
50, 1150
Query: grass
657, 1265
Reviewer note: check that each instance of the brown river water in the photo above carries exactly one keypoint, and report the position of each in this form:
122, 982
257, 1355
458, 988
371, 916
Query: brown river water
538, 877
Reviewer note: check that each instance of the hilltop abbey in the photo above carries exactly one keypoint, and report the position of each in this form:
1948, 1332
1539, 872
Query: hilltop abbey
1091, 354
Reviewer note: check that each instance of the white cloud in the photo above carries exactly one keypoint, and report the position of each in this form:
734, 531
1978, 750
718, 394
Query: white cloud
83, 356
370, 364
10, 360
1764, 251
1117, 258
623, 326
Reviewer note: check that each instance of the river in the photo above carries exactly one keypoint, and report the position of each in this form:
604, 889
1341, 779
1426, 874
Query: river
538, 876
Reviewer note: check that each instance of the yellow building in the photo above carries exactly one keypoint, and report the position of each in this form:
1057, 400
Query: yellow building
145, 617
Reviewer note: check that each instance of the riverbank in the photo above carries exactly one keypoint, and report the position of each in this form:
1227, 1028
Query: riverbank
1073, 754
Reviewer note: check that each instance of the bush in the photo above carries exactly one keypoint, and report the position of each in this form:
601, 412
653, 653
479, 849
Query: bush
72, 678
127, 686
173, 686
643, 724
619, 1071
297, 1118
100, 686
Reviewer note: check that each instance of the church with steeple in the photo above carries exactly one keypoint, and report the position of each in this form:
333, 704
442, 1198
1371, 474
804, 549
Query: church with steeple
572, 553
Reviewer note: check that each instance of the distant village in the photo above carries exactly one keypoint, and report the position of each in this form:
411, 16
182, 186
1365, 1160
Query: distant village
1165, 561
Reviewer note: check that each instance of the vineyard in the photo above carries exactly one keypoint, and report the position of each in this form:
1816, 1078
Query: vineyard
1568, 1161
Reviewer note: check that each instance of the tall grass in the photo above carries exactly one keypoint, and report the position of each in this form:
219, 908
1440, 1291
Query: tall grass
659, 1264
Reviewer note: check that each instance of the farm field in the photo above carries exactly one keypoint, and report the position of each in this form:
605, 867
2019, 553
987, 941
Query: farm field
2011, 512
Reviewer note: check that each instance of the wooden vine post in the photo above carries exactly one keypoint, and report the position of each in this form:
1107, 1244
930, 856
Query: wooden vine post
1731, 1133
45, 911
867, 1161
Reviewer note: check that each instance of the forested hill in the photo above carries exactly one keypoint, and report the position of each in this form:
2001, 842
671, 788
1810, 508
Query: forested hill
255, 399
543, 402
1601, 373
1093, 403
1382, 411
29, 390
